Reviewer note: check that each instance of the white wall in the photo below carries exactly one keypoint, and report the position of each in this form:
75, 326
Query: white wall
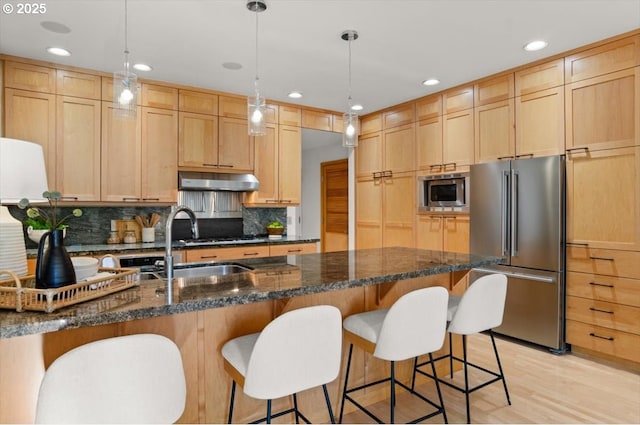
318, 147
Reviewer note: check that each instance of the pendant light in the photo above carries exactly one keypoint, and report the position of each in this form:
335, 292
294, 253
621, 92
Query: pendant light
349, 118
125, 83
256, 104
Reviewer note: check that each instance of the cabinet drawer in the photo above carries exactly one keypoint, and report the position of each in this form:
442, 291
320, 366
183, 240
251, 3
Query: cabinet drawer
292, 249
219, 254
604, 288
608, 341
600, 313
603, 261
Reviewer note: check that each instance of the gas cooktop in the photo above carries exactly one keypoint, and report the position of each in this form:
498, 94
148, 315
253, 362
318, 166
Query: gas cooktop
232, 240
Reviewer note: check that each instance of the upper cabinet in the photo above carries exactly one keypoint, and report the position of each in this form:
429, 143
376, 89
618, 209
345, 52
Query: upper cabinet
78, 84
400, 115
197, 102
610, 57
494, 136
25, 76
457, 130
159, 155
429, 134
317, 120
197, 140
162, 97
235, 146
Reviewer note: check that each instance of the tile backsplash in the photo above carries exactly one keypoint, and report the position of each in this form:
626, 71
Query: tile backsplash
94, 225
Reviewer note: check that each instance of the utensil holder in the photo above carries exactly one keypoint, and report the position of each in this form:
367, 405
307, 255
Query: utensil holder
148, 234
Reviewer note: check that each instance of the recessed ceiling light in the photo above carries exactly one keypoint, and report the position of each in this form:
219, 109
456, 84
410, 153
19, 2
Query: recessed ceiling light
56, 27
295, 95
535, 45
232, 66
142, 67
58, 51
431, 82
356, 107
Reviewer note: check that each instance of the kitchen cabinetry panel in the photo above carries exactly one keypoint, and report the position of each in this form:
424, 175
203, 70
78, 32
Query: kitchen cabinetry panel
457, 100
603, 198
457, 140
31, 116
370, 123
317, 120
369, 155
233, 253
606, 262
493, 90
539, 77
399, 206
337, 123
494, 131
266, 167
443, 233
234, 107
163, 97
290, 164
25, 76
601, 313
368, 213
614, 56
618, 344
540, 123
159, 155
121, 158
289, 115
235, 146
398, 116
604, 112
79, 84
197, 102
429, 145
612, 289
399, 149
78, 148
292, 249
429, 108
197, 140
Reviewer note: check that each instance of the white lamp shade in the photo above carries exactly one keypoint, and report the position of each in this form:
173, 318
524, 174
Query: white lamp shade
256, 110
350, 130
125, 94
22, 171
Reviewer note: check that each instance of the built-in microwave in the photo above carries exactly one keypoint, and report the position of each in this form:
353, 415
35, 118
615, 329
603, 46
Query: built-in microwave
444, 192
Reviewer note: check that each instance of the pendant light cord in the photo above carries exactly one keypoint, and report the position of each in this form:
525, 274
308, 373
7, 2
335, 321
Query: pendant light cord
349, 100
256, 80
126, 46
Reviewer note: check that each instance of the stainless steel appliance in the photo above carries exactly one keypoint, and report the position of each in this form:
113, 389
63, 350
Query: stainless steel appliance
444, 192
518, 211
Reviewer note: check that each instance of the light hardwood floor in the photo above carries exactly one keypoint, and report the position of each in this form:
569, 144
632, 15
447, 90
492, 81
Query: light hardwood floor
544, 388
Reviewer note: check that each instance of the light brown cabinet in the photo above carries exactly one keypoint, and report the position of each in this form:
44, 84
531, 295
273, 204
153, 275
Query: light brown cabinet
457, 140
289, 115
429, 145
163, 97
443, 233
292, 249
198, 141
235, 146
78, 148
197, 102
232, 253
317, 120
540, 123
159, 155
603, 200
25, 76
78, 84
494, 131
398, 116
278, 167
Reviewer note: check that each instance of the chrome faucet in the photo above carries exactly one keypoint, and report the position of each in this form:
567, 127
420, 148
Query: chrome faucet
168, 256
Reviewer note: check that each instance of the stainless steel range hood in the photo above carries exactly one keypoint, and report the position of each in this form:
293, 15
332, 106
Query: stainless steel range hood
217, 181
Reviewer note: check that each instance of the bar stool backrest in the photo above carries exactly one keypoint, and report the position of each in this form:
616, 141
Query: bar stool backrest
126, 379
481, 307
298, 350
415, 325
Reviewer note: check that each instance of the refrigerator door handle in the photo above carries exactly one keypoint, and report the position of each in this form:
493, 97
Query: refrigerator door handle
514, 213
504, 213
518, 275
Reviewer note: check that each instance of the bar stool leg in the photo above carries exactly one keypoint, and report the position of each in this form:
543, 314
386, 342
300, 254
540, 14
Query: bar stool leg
450, 355
295, 407
466, 376
413, 378
232, 400
435, 376
326, 398
393, 391
346, 379
268, 411
504, 381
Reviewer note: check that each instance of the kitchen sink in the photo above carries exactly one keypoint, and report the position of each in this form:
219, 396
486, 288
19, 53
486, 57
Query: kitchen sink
193, 270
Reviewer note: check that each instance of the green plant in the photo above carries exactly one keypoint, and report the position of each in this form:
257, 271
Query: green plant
275, 225
41, 218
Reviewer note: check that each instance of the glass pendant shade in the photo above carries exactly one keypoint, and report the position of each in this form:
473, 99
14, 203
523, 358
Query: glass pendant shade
125, 93
350, 130
256, 110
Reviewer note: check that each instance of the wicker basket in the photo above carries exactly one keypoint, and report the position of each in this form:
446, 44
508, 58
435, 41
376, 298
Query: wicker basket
20, 294
275, 231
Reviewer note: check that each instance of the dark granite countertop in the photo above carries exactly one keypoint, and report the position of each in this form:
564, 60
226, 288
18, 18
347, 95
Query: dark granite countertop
271, 278
101, 249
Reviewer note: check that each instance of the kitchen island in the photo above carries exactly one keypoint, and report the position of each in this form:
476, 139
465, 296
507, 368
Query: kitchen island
206, 312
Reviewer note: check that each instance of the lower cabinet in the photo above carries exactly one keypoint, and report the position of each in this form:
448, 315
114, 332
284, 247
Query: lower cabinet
603, 302
443, 233
237, 253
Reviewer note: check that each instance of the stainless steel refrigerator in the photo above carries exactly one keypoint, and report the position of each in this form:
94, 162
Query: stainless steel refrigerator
518, 211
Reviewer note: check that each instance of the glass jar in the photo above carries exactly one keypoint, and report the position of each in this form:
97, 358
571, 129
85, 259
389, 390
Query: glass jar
129, 236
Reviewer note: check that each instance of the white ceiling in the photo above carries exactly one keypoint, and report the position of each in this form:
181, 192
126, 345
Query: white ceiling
402, 42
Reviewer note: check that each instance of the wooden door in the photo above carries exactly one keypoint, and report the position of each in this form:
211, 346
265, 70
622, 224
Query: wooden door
235, 146
368, 213
266, 167
121, 159
603, 198
290, 164
429, 145
456, 233
197, 140
335, 205
494, 131
399, 210
399, 149
31, 116
369, 155
429, 230
78, 148
540, 123
457, 140
159, 155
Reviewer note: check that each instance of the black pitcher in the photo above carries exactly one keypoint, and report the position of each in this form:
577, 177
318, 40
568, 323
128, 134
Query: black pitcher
53, 266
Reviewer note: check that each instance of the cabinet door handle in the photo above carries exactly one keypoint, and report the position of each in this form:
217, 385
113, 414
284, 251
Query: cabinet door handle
225, 165
608, 338
435, 166
602, 258
600, 311
581, 148
601, 284
524, 154
150, 199
130, 199
294, 250
578, 243
387, 173
271, 200
251, 253
287, 201
377, 174
500, 158
206, 257
209, 165
68, 198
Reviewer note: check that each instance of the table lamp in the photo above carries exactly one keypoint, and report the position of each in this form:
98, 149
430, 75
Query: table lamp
22, 175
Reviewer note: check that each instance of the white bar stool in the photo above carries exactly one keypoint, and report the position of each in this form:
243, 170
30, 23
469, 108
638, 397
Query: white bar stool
126, 379
414, 325
479, 309
298, 350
